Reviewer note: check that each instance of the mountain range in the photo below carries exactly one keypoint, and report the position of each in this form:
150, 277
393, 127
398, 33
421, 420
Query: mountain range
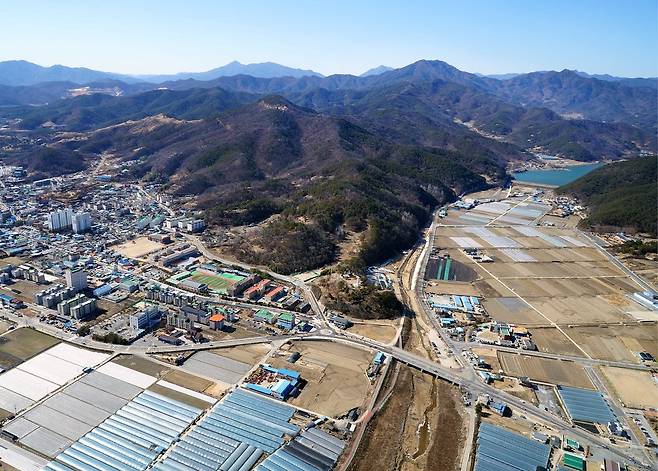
568, 93
20, 73
325, 157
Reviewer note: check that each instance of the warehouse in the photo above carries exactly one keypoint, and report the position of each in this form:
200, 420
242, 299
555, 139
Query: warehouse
498, 449
584, 405
279, 383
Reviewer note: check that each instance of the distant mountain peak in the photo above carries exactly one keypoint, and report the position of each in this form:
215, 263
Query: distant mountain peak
376, 71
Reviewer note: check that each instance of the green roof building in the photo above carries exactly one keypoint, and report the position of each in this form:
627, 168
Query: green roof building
263, 315
572, 444
573, 462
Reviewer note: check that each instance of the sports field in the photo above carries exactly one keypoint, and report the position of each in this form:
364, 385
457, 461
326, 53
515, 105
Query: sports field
218, 283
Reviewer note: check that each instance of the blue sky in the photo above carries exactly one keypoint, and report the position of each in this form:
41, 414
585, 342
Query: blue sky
338, 36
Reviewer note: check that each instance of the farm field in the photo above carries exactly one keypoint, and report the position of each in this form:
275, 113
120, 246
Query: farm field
143, 365
545, 370
21, 344
550, 340
617, 342
251, 354
512, 310
635, 389
187, 380
452, 287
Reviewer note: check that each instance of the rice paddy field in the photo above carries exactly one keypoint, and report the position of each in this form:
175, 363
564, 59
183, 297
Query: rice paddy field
545, 370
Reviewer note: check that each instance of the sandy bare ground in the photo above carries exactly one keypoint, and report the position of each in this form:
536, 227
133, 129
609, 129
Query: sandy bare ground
376, 331
335, 374
138, 248
636, 389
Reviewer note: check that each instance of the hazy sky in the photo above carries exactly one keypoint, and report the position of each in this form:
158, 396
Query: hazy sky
337, 36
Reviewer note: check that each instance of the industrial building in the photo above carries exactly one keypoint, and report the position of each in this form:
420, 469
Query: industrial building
10, 301
276, 382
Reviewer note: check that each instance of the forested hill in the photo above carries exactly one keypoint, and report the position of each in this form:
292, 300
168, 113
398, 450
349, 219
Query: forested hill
623, 195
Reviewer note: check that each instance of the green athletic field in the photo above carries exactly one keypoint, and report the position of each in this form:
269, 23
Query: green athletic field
217, 283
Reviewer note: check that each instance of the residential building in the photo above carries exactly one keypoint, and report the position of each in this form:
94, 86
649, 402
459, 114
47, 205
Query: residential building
78, 307
178, 321
145, 319
81, 222
263, 315
60, 220
196, 225
76, 279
